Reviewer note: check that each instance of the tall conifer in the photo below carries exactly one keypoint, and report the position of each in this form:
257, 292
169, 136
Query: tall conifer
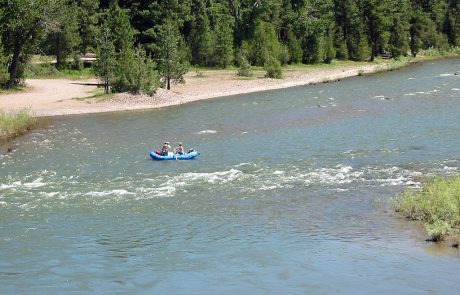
171, 64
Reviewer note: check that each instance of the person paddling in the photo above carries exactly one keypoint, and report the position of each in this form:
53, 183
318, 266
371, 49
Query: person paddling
180, 150
165, 149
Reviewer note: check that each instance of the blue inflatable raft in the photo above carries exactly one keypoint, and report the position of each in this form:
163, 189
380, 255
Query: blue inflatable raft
187, 156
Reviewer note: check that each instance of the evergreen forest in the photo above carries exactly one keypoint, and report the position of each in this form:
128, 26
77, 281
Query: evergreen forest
141, 44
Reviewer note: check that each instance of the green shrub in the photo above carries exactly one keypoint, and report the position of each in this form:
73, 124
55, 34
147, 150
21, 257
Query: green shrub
273, 68
437, 205
245, 68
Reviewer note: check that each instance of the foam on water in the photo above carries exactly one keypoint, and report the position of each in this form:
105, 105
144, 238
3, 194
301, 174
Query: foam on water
34, 184
206, 132
220, 177
46, 187
115, 192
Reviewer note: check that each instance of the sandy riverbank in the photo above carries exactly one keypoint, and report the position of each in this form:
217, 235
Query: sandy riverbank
52, 97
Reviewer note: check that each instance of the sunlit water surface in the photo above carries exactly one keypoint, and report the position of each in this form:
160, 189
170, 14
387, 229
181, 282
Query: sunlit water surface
291, 194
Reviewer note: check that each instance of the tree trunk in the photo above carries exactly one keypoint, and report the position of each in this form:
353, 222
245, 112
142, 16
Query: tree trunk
13, 70
58, 52
106, 85
373, 35
373, 50
168, 83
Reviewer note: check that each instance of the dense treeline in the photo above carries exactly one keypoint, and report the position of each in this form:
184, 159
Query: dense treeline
138, 40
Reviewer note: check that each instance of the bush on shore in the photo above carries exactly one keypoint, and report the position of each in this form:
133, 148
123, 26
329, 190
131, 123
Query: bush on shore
437, 205
273, 68
245, 68
13, 124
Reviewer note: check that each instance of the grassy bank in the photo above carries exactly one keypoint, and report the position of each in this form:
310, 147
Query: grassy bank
436, 204
13, 124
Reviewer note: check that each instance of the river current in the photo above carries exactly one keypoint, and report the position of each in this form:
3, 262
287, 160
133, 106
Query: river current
291, 194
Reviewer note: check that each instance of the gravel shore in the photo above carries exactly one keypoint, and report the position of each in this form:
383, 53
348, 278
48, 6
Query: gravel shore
52, 97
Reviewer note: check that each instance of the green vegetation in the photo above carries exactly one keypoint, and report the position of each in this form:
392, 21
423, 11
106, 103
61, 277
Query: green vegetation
437, 205
121, 66
143, 44
49, 71
245, 68
273, 68
171, 62
13, 124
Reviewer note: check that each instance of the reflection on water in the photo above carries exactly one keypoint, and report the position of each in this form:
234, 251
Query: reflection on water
290, 193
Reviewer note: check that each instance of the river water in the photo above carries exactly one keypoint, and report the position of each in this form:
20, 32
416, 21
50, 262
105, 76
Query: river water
291, 194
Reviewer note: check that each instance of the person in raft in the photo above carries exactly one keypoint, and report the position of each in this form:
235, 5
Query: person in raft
165, 149
180, 149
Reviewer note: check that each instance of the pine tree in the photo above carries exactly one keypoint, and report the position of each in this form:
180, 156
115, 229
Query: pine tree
122, 34
63, 37
449, 28
340, 44
223, 52
171, 65
145, 76
123, 67
398, 38
200, 38
150, 16
348, 18
316, 20
88, 15
264, 45
415, 30
329, 50
376, 23
295, 50
106, 62
312, 48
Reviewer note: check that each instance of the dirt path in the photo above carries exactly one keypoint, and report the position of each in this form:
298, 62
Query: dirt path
49, 96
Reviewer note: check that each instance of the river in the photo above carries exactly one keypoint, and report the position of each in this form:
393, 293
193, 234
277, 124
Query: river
291, 194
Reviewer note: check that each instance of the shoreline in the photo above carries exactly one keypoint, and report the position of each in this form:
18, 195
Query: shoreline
58, 97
